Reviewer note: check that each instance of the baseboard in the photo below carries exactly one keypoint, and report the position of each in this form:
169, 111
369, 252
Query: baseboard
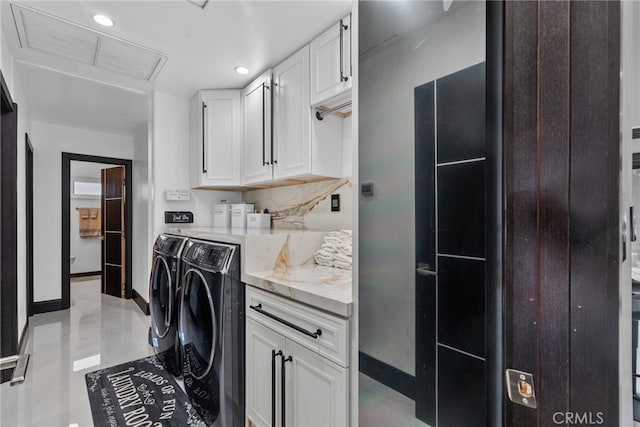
386, 374
142, 303
86, 274
24, 337
47, 306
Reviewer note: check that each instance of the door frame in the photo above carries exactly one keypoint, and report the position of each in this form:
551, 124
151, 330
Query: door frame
28, 189
67, 158
8, 225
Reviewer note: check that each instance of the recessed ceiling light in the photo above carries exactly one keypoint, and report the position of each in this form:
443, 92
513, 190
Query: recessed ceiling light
242, 70
103, 20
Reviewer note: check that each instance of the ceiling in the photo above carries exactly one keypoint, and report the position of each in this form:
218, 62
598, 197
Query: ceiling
203, 48
68, 100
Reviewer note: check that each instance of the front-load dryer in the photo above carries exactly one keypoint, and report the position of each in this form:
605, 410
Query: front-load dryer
212, 332
164, 299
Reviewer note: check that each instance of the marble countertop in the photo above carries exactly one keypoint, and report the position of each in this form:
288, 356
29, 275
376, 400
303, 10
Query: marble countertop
327, 288
226, 235
280, 261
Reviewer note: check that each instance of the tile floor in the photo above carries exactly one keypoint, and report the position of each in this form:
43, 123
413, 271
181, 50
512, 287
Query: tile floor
381, 406
100, 331
96, 332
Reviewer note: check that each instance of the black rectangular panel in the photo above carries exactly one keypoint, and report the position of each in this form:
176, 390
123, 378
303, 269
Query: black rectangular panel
113, 281
460, 99
426, 349
425, 174
113, 245
461, 304
461, 209
461, 390
113, 215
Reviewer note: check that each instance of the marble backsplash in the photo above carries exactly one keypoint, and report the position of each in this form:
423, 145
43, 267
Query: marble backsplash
306, 206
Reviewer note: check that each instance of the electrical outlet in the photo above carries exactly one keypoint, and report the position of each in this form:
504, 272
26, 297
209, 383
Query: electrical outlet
335, 203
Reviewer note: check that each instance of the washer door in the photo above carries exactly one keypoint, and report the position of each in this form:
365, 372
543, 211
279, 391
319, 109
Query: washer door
161, 294
198, 325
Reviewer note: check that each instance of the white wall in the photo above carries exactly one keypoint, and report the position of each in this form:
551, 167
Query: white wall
386, 158
49, 141
142, 243
7, 66
86, 252
170, 154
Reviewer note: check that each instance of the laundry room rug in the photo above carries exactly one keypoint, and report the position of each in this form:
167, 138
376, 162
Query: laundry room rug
139, 393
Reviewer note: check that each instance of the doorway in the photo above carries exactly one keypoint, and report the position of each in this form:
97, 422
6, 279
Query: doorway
8, 225
85, 233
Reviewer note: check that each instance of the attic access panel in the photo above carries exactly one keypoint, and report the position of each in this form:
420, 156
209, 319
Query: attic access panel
51, 34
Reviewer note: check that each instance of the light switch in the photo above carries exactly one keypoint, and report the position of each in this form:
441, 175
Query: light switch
335, 203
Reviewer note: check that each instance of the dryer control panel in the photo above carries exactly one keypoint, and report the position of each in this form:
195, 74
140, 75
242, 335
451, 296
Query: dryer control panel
207, 256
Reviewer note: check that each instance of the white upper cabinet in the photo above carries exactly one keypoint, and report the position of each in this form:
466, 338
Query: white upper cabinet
256, 100
216, 139
331, 62
292, 117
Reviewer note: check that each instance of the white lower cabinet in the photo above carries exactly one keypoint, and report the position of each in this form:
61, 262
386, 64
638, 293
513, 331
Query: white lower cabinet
315, 389
288, 382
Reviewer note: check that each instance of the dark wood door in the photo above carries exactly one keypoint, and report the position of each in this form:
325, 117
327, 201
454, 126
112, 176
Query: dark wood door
562, 154
113, 232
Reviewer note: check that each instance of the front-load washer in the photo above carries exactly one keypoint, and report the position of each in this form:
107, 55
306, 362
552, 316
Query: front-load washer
164, 298
212, 332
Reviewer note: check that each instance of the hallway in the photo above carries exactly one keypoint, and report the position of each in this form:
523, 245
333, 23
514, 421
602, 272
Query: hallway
96, 332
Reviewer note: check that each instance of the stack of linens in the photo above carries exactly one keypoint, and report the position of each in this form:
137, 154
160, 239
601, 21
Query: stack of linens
336, 250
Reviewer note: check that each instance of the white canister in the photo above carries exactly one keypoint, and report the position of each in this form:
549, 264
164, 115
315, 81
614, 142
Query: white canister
222, 215
259, 220
239, 213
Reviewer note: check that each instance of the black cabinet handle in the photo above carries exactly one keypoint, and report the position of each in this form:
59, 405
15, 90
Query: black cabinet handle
264, 160
284, 360
273, 110
343, 27
350, 47
273, 385
204, 167
259, 309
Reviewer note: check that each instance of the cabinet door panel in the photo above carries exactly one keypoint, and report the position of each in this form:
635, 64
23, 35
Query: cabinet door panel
325, 63
222, 133
216, 138
257, 145
261, 341
292, 117
316, 390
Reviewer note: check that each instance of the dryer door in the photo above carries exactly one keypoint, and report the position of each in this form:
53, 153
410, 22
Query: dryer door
198, 325
161, 294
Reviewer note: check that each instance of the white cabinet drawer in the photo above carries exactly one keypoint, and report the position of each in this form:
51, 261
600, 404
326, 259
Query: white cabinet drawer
321, 332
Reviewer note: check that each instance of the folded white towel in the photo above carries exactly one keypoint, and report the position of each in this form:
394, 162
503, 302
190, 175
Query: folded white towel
342, 265
343, 258
331, 239
347, 233
335, 234
343, 249
324, 255
346, 241
329, 247
324, 263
